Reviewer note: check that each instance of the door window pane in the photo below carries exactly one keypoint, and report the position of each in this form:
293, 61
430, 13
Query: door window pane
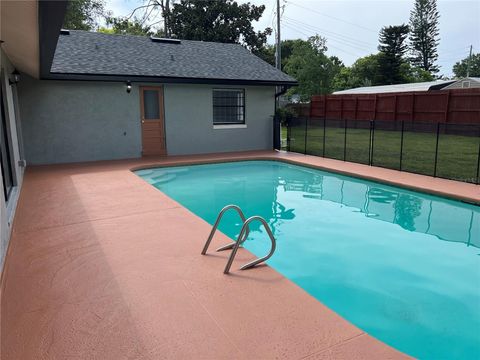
151, 104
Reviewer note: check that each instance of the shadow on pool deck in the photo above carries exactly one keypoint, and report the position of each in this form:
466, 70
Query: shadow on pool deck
103, 265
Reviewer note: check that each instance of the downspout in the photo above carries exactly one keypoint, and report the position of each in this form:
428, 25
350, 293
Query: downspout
283, 90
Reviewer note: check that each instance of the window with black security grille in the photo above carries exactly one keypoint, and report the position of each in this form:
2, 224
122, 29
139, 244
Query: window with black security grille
228, 106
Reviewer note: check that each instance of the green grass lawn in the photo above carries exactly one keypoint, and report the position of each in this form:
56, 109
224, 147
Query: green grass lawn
457, 155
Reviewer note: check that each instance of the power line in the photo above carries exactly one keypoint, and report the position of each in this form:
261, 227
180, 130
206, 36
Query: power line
333, 17
270, 21
455, 58
278, 49
454, 50
331, 46
328, 31
361, 45
330, 39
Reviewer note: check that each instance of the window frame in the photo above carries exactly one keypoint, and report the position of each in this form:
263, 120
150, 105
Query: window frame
6, 154
223, 124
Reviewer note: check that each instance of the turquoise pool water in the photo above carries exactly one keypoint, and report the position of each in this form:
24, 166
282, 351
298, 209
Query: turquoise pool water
403, 266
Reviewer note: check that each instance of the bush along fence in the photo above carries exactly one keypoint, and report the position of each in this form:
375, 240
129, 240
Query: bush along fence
450, 151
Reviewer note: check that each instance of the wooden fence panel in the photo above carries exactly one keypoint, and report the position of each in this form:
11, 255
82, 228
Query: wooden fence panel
386, 107
333, 107
458, 106
405, 106
430, 108
349, 108
366, 107
464, 107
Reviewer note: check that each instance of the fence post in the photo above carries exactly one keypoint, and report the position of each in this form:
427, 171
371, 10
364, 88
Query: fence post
324, 129
436, 151
277, 133
289, 132
345, 143
478, 160
306, 133
370, 144
401, 144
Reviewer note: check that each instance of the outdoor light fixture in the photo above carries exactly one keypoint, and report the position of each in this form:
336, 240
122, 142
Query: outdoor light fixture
129, 87
14, 77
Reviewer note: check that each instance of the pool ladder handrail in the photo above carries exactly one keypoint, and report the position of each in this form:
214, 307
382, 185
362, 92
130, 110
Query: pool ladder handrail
241, 238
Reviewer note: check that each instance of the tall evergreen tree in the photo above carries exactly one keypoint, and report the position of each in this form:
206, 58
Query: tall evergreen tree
424, 34
392, 51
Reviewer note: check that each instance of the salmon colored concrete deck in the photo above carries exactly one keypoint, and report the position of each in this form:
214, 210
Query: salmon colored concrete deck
102, 265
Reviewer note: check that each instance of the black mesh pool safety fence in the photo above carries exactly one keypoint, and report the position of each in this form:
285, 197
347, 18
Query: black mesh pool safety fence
450, 151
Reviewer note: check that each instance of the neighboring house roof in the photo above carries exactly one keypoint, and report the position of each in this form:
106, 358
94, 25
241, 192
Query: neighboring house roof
87, 54
422, 86
465, 83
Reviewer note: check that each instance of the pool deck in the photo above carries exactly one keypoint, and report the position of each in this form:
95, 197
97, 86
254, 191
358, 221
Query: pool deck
103, 265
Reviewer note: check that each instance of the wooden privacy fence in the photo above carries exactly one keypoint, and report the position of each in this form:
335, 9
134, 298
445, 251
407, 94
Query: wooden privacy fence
457, 106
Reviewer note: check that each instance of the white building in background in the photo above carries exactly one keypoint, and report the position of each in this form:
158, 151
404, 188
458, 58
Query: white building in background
465, 83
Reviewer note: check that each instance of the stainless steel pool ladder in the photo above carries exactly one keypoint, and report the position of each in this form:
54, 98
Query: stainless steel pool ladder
241, 238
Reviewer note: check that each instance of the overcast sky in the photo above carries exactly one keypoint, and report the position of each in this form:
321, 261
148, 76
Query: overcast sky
351, 26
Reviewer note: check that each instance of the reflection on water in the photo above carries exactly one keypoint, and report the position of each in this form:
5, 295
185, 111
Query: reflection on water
414, 213
260, 195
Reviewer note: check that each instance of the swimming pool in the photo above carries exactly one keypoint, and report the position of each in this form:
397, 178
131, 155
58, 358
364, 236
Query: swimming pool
401, 265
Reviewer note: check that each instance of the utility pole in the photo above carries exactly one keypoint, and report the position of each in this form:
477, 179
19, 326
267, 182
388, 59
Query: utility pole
469, 61
278, 57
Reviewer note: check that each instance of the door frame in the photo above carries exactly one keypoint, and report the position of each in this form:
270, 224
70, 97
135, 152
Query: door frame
161, 112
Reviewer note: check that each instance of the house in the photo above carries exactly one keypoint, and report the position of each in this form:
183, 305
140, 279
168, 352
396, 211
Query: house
122, 96
73, 96
421, 86
465, 83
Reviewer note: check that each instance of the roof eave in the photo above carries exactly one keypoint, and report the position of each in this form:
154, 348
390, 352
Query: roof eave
50, 19
163, 79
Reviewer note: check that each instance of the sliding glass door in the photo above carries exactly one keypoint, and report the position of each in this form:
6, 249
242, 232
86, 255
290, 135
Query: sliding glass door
5, 151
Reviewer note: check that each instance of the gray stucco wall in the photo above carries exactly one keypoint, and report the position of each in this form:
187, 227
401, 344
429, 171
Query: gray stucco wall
68, 121
189, 121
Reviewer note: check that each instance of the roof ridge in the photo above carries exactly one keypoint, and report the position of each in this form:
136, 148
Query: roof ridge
148, 37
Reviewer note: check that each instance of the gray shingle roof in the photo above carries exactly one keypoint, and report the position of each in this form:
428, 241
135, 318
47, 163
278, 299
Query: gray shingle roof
90, 53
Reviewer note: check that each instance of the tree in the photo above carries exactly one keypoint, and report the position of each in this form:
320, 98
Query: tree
364, 72
344, 80
392, 51
424, 35
313, 69
267, 53
125, 26
83, 14
152, 11
412, 74
460, 68
218, 20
